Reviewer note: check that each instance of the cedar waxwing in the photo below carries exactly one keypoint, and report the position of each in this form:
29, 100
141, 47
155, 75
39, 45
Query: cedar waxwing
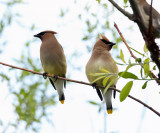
53, 60
101, 58
145, 13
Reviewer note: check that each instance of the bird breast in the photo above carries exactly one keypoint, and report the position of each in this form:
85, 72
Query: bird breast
94, 66
53, 59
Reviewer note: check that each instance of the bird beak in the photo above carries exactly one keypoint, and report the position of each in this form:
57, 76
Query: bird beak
112, 44
37, 36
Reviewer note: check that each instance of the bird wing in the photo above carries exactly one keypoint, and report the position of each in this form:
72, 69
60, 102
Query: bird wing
146, 9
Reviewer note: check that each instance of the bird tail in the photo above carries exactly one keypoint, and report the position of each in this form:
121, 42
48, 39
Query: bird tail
108, 100
59, 87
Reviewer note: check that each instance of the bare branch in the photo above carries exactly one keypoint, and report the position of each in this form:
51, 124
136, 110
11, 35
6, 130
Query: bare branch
127, 14
137, 14
149, 38
81, 82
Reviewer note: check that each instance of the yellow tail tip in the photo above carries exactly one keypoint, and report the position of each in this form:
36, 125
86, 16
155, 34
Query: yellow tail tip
62, 101
110, 111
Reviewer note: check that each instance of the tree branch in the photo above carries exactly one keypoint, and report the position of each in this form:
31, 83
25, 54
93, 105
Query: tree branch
127, 14
81, 82
138, 18
154, 76
149, 38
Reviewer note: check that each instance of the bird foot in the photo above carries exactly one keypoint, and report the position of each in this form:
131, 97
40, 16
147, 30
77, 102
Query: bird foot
55, 77
45, 75
94, 85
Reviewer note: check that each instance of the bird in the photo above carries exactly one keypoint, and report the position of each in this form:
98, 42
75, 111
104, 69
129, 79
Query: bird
144, 8
53, 60
101, 58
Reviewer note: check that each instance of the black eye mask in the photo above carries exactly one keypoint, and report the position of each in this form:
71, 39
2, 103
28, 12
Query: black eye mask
40, 34
107, 42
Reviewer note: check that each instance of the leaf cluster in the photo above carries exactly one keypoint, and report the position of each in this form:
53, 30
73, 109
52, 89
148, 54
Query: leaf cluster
145, 71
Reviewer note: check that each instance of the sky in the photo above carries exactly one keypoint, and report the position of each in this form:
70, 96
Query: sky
77, 115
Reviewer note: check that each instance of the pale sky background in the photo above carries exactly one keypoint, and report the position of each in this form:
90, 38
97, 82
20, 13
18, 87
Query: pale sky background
76, 115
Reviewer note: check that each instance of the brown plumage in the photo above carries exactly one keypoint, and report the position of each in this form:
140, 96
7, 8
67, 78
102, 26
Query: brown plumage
145, 12
101, 58
53, 60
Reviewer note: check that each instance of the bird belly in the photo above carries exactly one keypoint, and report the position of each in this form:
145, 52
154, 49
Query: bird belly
95, 68
53, 65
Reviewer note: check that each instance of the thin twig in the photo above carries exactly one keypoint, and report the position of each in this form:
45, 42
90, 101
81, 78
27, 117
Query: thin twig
81, 82
153, 75
115, 25
127, 14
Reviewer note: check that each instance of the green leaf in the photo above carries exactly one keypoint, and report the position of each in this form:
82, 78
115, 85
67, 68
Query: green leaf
62, 13
122, 56
137, 51
145, 48
100, 109
144, 85
94, 103
98, 1
106, 79
27, 44
120, 63
105, 5
146, 66
119, 39
109, 85
131, 65
100, 77
85, 38
125, 91
88, 23
107, 25
4, 76
127, 75
129, 62
150, 75
104, 70
146, 69
154, 68
146, 60
139, 60
33, 27
125, 1
98, 74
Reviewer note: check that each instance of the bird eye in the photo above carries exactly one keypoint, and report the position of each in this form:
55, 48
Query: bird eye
41, 33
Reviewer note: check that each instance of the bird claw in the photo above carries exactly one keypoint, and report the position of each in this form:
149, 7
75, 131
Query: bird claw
94, 85
44, 75
55, 77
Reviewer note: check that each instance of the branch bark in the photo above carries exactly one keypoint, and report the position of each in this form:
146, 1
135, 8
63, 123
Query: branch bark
147, 36
127, 14
81, 82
